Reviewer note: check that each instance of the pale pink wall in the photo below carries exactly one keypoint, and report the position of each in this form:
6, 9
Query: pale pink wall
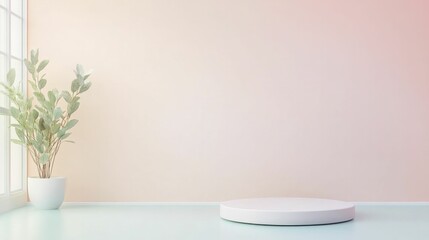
219, 99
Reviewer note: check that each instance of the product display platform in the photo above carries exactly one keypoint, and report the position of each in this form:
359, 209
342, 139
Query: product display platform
202, 221
287, 211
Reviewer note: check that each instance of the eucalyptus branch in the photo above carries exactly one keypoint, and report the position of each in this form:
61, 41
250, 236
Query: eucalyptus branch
44, 125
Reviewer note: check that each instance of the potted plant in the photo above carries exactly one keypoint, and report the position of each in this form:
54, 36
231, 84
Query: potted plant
43, 122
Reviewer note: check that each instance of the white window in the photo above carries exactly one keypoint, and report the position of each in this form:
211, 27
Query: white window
13, 18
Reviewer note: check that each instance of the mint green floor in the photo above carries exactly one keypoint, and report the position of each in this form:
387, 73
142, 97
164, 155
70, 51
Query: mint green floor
202, 222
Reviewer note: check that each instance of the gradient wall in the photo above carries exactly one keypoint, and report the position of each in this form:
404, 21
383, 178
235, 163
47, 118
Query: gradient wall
218, 99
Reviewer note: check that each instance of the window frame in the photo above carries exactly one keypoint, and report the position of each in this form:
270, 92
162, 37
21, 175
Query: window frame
17, 198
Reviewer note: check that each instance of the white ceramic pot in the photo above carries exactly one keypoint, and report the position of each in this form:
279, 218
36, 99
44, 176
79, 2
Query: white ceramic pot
46, 193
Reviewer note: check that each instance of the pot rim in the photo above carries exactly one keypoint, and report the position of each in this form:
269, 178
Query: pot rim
38, 178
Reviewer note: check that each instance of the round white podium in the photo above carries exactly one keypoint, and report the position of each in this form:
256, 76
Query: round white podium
287, 211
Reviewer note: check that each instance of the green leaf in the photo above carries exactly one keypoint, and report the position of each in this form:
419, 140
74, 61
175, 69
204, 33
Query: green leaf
40, 109
20, 134
44, 158
4, 111
75, 85
47, 120
52, 97
67, 96
65, 136
16, 141
55, 128
14, 112
79, 70
56, 92
35, 114
33, 85
28, 103
40, 97
80, 78
47, 105
72, 107
75, 99
22, 118
34, 56
16, 125
29, 66
11, 77
61, 133
57, 113
39, 147
42, 83
42, 124
71, 124
42, 65
39, 137
85, 87
69, 141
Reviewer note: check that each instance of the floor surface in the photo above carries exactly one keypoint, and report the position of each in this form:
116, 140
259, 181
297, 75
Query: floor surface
202, 222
